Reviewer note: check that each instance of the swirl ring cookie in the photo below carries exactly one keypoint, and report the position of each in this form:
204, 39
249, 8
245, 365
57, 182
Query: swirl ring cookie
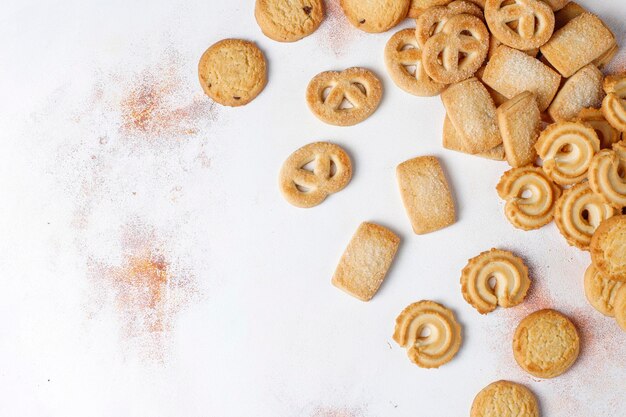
511, 281
443, 340
607, 134
533, 211
433, 19
375, 16
288, 20
462, 34
533, 19
232, 72
578, 214
403, 53
606, 175
601, 292
505, 399
567, 149
620, 308
546, 344
614, 104
608, 248
328, 92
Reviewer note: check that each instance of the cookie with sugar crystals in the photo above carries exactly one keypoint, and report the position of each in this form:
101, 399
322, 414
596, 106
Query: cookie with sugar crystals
520, 24
453, 141
375, 16
433, 19
519, 120
505, 399
288, 20
582, 90
608, 248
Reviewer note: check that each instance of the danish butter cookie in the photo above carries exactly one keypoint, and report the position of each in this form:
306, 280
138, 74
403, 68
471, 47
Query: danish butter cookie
444, 334
580, 91
607, 175
288, 20
546, 344
578, 214
232, 72
557, 4
607, 134
567, 13
519, 120
614, 104
620, 308
433, 19
608, 248
532, 211
344, 98
455, 142
520, 24
600, 291
425, 194
375, 16
505, 399
567, 149
507, 270
417, 7
307, 188
366, 260
403, 58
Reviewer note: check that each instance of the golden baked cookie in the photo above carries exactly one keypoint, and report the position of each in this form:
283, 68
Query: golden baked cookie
232, 72
607, 134
473, 115
433, 19
546, 344
620, 308
456, 52
608, 248
344, 98
510, 276
505, 399
442, 341
607, 175
426, 194
528, 212
600, 291
375, 16
578, 214
578, 43
614, 104
533, 21
580, 91
366, 260
417, 7
331, 173
567, 13
511, 72
567, 149
604, 59
519, 120
288, 20
557, 4
455, 142
403, 58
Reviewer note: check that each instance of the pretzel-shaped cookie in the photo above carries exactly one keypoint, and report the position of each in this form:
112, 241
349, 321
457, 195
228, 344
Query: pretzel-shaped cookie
440, 345
606, 175
533, 21
358, 86
511, 281
567, 149
534, 211
433, 19
462, 44
578, 214
614, 104
401, 53
304, 188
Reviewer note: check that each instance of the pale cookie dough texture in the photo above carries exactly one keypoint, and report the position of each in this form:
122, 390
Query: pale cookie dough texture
289, 20
375, 16
600, 291
546, 344
232, 72
608, 248
365, 261
582, 90
520, 123
505, 399
426, 194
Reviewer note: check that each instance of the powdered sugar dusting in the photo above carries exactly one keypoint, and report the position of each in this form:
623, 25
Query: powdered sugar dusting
336, 32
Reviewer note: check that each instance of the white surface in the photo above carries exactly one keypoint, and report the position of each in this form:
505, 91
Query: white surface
261, 332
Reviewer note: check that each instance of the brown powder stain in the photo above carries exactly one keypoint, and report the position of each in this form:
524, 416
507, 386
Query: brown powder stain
336, 32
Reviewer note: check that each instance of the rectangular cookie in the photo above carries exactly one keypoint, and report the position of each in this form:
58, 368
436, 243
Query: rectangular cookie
520, 123
454, 142
366, 260
578, 43
473, 114
567, 13
582, 90
425, 194
511, 72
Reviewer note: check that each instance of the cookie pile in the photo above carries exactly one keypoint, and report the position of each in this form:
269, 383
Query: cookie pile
521, 82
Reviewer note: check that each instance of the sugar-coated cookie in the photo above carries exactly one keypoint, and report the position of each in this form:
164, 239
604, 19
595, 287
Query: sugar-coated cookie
582, 90
546, 344
608, 248
567, 13
519, 120
375, 16
288, 20
456, 142
433, 19
607, 134
417, 7
606, 175
505, 399
600, 291
232, 72
533, 21
444, 334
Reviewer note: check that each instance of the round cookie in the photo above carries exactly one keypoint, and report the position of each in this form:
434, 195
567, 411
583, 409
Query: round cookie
288, 20
546, 344
505, 399
601, 292
620, 308
232, 72
608, 248
375, 16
